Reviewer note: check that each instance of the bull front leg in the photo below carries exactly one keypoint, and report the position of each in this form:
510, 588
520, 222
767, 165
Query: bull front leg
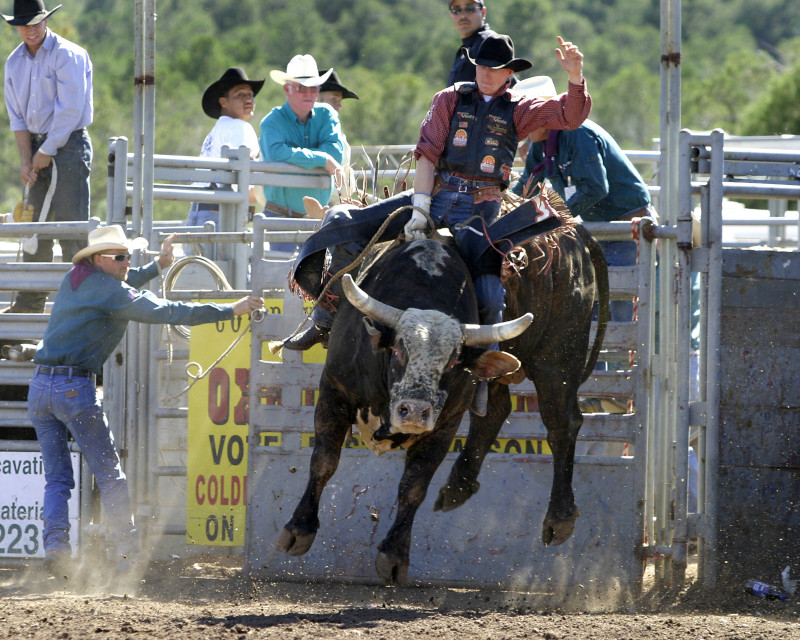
562, 417
331, 426
422, 461
462, 482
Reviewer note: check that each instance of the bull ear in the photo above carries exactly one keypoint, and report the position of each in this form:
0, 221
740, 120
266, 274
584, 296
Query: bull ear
494, 364
376, 334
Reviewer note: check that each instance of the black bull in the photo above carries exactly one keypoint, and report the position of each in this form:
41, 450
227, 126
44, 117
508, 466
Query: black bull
365, 360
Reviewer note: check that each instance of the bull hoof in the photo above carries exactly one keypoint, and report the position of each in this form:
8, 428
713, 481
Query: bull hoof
390, 569
558, 530
293, 543
453, 496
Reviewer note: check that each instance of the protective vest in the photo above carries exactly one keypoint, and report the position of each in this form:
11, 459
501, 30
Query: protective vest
482, 140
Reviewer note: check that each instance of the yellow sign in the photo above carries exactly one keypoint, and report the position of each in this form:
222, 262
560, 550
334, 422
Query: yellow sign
216, 492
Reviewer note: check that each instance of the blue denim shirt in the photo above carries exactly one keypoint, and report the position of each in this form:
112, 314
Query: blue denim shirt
87, 322
607, 185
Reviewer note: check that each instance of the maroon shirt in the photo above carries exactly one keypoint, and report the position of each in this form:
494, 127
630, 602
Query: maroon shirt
567, 111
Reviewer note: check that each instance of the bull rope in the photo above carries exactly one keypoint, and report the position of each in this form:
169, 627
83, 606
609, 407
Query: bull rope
275, 346
256, 315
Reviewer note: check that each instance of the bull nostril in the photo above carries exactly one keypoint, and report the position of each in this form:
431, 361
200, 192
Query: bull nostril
426, 414
403, 411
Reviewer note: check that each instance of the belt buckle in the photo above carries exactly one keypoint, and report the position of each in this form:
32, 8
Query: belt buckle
462, 188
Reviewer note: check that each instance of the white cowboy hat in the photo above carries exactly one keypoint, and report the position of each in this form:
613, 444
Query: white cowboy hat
536, 87
108, 238
301, 69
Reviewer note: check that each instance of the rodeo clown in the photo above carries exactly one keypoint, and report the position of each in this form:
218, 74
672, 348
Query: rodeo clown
464, 157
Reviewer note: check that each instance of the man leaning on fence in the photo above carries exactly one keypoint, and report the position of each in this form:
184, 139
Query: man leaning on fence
301, 132
230, 101
48, 92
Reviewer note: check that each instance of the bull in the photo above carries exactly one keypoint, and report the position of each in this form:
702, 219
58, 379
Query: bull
404, 375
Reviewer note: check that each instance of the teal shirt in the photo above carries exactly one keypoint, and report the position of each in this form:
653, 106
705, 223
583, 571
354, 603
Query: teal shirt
87, 322
606, 184
285, 139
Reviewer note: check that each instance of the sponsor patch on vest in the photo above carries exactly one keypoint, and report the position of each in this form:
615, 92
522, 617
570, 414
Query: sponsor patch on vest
491, 142
487, 164
464, 115
463, 125
506, 171
460, 138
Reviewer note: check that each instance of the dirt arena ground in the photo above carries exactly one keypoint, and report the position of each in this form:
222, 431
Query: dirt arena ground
210, 598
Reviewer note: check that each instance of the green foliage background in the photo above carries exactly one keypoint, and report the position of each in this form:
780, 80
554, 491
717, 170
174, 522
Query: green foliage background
740, 64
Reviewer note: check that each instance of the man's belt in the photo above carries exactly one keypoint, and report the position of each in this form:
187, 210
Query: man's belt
480, 193
72, 372
283, 212
646, 210
37, 138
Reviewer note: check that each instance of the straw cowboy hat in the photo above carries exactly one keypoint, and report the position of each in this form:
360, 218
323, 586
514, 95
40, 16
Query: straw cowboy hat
333, 84
497, 52
29, 12
301, 69
232, 77
108, 238
537, 87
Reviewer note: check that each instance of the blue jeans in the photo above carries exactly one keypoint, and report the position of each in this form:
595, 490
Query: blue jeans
451, 208
59, 405
70, 203
199, 214
620, 253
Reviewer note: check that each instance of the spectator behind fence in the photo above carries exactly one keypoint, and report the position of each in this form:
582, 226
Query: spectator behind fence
332, 92
469, 19
231, 101
303, 132
96, 301
596, 180
48, 92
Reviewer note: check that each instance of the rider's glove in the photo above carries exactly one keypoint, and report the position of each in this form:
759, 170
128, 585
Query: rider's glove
415, 228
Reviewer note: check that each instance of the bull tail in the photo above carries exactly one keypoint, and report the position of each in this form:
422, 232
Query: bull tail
601, 282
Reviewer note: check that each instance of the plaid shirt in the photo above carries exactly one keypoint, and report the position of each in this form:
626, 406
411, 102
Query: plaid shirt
567, 111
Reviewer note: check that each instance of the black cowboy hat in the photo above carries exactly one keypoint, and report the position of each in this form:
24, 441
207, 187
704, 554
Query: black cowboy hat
497, 52
29, 12
333, 84
231, 77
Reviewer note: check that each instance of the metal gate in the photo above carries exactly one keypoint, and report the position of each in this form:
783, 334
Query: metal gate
494, 540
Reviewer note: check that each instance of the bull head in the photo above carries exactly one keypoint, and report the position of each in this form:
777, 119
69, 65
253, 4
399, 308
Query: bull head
428, 345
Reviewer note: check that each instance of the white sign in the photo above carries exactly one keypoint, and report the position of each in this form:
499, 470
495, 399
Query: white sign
21, 497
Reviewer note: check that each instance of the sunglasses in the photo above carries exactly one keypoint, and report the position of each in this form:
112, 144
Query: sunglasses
473, 8
300, 88
117, 257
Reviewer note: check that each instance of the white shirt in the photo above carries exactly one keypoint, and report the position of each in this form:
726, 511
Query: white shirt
233, 133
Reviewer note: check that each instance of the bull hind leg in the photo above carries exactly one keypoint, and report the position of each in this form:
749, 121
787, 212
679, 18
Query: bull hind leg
331, 425
463, 483
558, 405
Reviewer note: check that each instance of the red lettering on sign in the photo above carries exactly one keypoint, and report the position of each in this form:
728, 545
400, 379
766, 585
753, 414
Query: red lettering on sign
242, 410
218, 395
199, 496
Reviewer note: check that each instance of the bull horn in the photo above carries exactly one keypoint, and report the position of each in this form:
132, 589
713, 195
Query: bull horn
361, 300
481, 334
